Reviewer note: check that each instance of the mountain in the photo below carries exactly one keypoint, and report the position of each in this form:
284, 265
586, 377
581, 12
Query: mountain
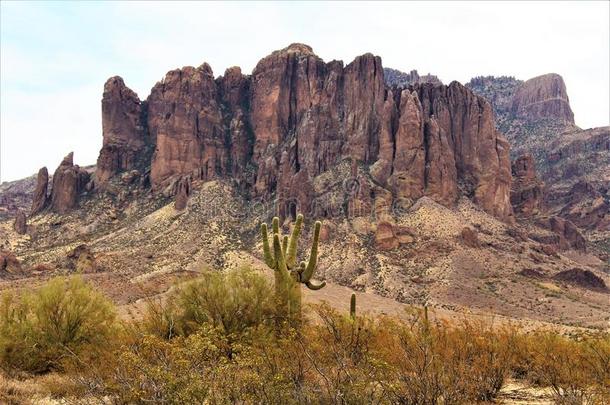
537, 119
414, 185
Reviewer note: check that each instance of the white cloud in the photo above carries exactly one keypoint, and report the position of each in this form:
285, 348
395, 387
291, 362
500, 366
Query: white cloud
55, 60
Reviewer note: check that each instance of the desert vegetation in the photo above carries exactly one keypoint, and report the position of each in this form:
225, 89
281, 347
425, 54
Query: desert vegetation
235, 336
218, 339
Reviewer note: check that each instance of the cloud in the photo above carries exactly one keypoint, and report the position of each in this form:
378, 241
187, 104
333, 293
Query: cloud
55, 57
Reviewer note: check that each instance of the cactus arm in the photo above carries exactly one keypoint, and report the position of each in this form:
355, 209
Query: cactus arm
281, 262
269, 260
300, 271
291, 255
352, 306
276, 225
313, 256
315, 287
285, 248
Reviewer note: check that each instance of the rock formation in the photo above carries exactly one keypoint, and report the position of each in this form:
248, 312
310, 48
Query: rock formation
397, 78
526, 194
537, 119
123, 129
20, 225
69, 182
9, 264
543, 97
40, 193
297, 117
569, 236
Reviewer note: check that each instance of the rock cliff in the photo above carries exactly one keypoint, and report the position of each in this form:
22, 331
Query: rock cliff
123, 130
297, 117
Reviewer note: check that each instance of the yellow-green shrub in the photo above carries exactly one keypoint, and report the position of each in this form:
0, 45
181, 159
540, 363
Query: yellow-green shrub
232, 302
64, 321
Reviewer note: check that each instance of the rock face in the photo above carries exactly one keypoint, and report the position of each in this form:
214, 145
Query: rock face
297, 117
543, 97
69, 182
20, 224
124, 131
526, 194
40, 193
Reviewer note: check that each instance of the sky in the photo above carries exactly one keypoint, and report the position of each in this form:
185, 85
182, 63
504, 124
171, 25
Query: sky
55, 57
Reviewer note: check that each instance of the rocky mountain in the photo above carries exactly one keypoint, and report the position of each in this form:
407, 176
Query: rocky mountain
414, 185
295, 118
537, 119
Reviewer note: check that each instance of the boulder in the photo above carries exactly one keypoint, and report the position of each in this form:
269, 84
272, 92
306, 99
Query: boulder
9, 264
470, 237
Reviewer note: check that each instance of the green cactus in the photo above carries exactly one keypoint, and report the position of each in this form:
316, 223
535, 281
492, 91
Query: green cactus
283, 260
352, 306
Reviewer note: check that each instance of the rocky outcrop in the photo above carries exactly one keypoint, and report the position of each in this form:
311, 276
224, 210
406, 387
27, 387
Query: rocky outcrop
397, 78
389, 236
582, 278
82, 260
568, 236
543, 97
185, 119
464, 149
20, 225
40, 199
297, 117
470, 237
586, 206
124, 131
69, 182
9, 264
526, 194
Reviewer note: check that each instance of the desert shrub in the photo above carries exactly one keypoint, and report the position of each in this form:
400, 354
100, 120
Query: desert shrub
63, 322
233, 302
161, 371
428, 363
577, 371
340, 352
597, 355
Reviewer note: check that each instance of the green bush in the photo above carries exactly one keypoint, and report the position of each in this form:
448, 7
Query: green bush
63, 322
233, 302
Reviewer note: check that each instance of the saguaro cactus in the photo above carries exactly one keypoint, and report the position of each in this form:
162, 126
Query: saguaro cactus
352, 306
283, 260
